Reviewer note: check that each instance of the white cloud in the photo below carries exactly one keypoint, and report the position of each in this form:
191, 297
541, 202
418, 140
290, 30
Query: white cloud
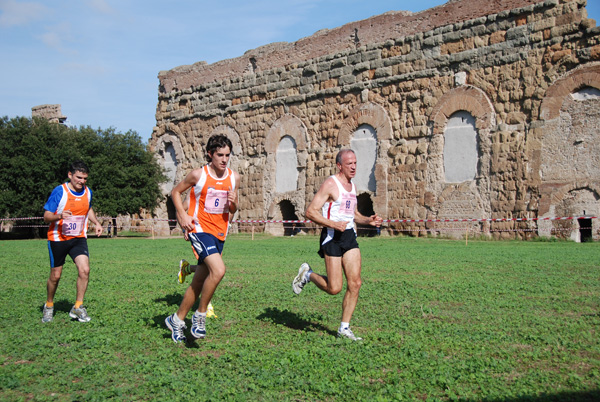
15, 13
101, 6
56, 37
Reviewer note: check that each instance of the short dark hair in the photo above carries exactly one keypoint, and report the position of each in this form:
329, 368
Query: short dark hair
340, 155
215, 142
79, 166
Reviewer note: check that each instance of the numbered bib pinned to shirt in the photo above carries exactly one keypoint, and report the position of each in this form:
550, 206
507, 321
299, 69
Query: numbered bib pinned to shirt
348, 204
73, 225
216, 201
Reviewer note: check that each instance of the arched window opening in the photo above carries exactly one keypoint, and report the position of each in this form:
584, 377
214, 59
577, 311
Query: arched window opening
171, 214
286, 176
460, 148
364, 145
288, 213
586, 93
365, 207
170, 165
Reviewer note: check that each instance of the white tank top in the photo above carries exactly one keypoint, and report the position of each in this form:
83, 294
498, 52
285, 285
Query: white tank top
343, 208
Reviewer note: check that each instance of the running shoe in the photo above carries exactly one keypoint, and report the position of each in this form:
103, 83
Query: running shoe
347, 333
48, 314
210, 312
300, 280
184, 270
79, 314
176, 330
198, 330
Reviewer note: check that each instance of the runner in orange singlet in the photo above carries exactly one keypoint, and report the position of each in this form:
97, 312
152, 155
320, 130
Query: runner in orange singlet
213, 197
68, 210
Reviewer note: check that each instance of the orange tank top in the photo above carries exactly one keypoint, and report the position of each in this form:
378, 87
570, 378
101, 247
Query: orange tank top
75, 225
209, 204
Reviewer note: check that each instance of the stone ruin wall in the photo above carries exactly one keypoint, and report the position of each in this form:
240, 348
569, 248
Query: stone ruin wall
52, 113
511, 64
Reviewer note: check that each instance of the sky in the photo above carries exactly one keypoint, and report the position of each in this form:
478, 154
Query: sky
100, 59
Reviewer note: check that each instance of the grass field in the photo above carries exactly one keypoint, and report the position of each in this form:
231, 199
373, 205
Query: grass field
442, 320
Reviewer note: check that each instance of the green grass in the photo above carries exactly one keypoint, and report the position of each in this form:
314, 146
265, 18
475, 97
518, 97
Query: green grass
442, 320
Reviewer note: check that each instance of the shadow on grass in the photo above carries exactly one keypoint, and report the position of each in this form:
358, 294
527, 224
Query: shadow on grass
61, 305
174, 299
581, 396
292, 320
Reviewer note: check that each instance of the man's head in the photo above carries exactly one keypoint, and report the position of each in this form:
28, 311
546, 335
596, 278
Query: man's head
78, 174
215, 142
346, 163
79, 166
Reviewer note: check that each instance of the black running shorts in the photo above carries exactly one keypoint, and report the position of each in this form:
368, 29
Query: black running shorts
58, 250
335, 244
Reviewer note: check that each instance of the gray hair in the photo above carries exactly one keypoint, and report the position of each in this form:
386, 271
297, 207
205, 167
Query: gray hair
340, 155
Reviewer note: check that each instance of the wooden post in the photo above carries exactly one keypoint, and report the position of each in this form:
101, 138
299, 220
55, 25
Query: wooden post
253, 231
467, 236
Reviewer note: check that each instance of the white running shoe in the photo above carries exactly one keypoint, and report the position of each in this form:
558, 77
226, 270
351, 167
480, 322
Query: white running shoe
177, 330
198, 330
300, 280
48, 314
79, 314
347, 333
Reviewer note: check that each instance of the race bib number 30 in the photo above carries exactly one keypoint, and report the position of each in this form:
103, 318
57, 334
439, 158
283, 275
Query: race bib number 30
348, 204
216, 201
73, 225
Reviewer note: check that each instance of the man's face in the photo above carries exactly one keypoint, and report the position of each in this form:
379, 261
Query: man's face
78, 180
220, 158
348, 165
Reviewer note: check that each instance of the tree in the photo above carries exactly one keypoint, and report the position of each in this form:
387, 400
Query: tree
125, 176
35, 156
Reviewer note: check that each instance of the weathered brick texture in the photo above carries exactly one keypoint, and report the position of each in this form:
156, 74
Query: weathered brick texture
511, 64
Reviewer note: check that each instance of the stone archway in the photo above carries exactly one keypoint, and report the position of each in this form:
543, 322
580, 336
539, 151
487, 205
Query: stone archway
565, 152
290, 127
468, 198
170, 155
284, 209
586, 76
578, 200
467, 98
375, 116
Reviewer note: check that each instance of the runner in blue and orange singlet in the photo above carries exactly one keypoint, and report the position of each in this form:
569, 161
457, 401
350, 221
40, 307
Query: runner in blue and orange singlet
68, 210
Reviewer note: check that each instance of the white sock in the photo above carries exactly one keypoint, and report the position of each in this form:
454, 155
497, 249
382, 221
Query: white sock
199, 314
307, 275
177, 319
344, 325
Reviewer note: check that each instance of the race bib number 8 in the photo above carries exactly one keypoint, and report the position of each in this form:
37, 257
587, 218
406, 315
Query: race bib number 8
73, 225
216, 201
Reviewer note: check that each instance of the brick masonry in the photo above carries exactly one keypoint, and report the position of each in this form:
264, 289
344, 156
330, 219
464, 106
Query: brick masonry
511, 64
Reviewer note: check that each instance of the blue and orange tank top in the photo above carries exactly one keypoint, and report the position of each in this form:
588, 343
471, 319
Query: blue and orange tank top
65, 199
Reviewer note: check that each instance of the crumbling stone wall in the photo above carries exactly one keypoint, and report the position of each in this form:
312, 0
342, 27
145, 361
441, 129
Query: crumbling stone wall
513, 65
52, 113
